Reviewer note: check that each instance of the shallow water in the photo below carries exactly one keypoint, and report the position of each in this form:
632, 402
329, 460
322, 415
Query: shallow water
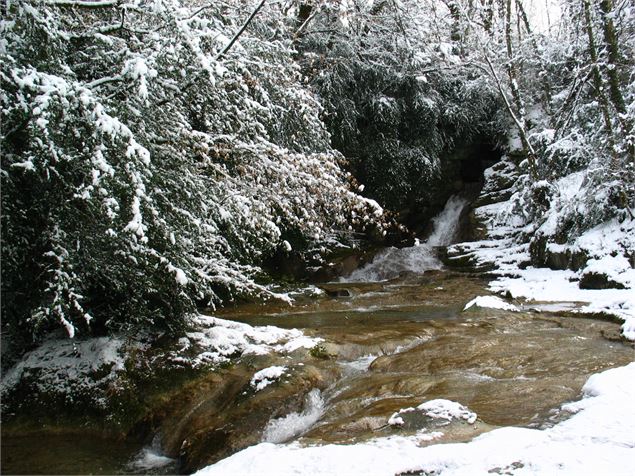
511, 368
65, 454
388, 345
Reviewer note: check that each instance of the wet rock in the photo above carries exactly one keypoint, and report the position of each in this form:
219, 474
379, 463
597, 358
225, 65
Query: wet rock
458, 260
338, 292
554, 256
221, 414
363, 425
594, 280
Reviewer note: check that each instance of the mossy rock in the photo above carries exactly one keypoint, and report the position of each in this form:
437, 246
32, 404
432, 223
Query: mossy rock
567, 258
593, 280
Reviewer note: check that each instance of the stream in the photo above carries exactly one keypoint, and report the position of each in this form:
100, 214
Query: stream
395, 335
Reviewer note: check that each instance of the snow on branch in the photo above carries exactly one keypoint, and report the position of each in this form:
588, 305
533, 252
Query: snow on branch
85, 3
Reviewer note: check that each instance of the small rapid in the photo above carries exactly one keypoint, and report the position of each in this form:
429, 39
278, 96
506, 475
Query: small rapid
394, 262
295, 424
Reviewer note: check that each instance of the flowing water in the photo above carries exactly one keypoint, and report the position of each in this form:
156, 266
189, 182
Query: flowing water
395, 335
394, 262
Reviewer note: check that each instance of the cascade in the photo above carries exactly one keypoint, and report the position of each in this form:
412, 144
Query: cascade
392, 262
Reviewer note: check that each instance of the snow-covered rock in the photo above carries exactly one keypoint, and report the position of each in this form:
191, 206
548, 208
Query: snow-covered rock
491, 302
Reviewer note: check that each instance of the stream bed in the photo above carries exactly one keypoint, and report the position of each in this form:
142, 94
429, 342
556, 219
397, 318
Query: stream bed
386, 346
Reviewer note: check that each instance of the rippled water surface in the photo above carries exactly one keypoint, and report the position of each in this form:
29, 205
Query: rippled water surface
388, 345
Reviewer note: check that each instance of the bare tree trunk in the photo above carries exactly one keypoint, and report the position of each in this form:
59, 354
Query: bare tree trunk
511, 62
240, 32
519, 121
488, 15
610, 40
512, 73
455, 13
520, 9
544, 81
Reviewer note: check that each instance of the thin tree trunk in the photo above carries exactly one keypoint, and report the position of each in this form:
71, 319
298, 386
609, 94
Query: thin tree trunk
225, 50
597, 76
511, 63
519, 116
612, 72
242, 29
520, 124
523, 15
610, 39
488, 15
544, 81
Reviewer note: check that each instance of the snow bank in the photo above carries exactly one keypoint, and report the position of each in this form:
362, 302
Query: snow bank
69, 367
218, 340
448, 410
604, 245
93, 367
597, 439
540, 284
438, 409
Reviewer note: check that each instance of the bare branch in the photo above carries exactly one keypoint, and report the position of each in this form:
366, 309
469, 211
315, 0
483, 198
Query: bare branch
240, 32
531, 153
84, 3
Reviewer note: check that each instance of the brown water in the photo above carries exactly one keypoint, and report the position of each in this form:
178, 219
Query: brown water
386, 346
72, 453
397, 345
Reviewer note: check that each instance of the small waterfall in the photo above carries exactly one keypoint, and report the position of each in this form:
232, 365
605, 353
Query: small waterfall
294, 424
446, 223
392, 262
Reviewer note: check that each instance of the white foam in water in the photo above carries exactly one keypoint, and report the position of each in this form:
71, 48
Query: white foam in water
358, 365
150, 459
294, 424
392, 262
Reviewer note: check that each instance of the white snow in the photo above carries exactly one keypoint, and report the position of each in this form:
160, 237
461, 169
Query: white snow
603, 244
540, 284
438, 408
266, 377
491, 302
395, 419
448, 410
616, 268
66, 366
179, 275
220, 339
597, 440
